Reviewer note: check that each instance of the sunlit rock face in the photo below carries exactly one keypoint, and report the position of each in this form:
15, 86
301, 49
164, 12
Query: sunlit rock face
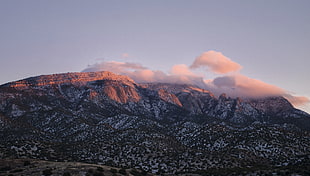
120, 92
117, 87
68, 78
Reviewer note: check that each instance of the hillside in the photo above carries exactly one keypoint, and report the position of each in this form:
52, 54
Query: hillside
104, 118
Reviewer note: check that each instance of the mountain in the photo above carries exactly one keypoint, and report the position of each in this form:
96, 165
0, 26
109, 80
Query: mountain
101, 117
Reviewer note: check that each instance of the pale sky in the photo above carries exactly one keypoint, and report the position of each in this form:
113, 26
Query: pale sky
269, 39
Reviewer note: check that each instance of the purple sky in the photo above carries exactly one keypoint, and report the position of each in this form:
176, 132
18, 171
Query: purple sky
269, 39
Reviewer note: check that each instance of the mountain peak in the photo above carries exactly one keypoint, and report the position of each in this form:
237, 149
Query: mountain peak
79, 78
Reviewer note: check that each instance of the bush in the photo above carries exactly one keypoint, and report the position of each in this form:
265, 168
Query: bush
66, 174
6, 168
135, 172
26, 163
100, 169
47, 172
122, 171
16, 170
113, 171
90, 171
98, 174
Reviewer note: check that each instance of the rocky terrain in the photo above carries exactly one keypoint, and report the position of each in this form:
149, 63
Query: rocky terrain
165, 129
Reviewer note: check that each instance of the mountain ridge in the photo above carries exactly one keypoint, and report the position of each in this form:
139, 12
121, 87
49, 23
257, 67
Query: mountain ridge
62, 78
190, 98
157, 127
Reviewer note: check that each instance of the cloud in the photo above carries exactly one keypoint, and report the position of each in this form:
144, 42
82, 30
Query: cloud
242, 86
225, 81
216, 62
113, 66
297, 100
125, 55
180, 74
231, 82
181, 69
146, 75
250, 87
136, 71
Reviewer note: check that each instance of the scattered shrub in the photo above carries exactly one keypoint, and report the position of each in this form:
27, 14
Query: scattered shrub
66, 174
6, 168
16, 170
122, 171
90, 171
100, 169
98, 174
26, 163
137, 173
113, 170
47, 172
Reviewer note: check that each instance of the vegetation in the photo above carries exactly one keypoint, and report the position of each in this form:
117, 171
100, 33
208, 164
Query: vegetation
113, 170
26, 163
47, 172
122, 171
16, 167
66, 174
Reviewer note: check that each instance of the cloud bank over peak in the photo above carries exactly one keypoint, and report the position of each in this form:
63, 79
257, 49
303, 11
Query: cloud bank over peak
179, 73
117, 67
229, 80
181, 69
238, 85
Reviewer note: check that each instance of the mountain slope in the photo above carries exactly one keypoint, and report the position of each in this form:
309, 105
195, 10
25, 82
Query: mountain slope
106, 118
157, 100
